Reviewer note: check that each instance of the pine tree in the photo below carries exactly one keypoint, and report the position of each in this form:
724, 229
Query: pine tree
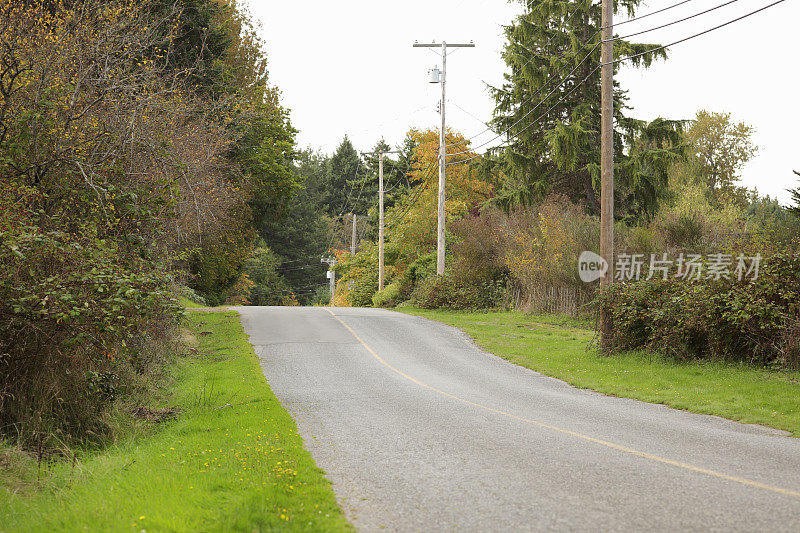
795, 209
396, 168
344, 166
560, 152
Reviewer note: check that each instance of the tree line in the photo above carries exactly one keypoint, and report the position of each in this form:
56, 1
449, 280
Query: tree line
145, 157
142, 148
520, 214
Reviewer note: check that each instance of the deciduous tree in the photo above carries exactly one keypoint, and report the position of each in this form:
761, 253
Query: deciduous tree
719, 148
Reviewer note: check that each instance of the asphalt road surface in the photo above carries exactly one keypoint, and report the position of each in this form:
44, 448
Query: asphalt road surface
419, 430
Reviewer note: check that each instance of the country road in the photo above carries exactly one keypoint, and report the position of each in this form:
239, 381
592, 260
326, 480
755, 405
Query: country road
419, 430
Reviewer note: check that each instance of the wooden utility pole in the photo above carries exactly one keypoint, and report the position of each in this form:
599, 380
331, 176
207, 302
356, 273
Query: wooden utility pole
440, 225
353, 238
607, 154
331, 275
440, 204
380, 221
380, 213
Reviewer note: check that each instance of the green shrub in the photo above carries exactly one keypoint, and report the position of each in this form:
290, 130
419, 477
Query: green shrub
455, 292
388, 297
753, 321
75, 318
432, 292
361, 290
684, 230
191, 295
476, 276
418, 271
357, 277
321, 296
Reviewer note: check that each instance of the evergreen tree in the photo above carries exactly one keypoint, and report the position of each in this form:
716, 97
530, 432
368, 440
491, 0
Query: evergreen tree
299, 237
345, 165
395, 176
560, 152
795, 209
396, 181
313, 168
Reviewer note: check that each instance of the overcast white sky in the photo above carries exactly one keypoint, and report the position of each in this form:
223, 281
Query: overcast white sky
348, 67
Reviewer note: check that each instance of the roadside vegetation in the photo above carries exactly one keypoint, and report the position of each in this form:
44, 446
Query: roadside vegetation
565, 348
217, 452
143, 156
140, 147
518, 216
706, 270
147, 165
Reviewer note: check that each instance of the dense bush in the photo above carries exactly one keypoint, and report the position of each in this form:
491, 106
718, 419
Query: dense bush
454, 292
321, 296
541, 244
74, 315
357, 277
125, 163
755, 321
421, 269
477, 274
388, 297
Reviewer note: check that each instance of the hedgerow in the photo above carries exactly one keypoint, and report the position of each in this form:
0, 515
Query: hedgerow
132, 137
754, 321
75, 316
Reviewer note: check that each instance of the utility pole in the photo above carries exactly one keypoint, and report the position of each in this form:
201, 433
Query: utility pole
380, 213
607, 155
331, 275
442, 153
353, 239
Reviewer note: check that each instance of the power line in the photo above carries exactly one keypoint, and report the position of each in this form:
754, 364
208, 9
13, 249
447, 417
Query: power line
675, 21
627, 58
305, 257
349, 195
468, 113
737, 19
650, 14
416, 197
584, 44
346, 202
303, 267
576, 67
619, 60
360, 192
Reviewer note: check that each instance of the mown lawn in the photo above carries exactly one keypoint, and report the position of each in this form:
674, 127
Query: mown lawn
564, 348
231, 461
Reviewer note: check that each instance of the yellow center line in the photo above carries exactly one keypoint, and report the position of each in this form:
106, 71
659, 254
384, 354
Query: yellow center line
581, 436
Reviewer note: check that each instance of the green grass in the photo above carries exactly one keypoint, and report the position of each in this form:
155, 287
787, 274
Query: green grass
562, 347
186, 302
231, 461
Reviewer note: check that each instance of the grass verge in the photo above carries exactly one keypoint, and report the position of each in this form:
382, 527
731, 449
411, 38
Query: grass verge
186, 302
231, 461
561, 347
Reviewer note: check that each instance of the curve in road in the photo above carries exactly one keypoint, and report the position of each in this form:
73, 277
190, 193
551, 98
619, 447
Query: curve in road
420, 430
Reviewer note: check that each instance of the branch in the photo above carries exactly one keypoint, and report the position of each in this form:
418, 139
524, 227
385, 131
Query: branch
96, 190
